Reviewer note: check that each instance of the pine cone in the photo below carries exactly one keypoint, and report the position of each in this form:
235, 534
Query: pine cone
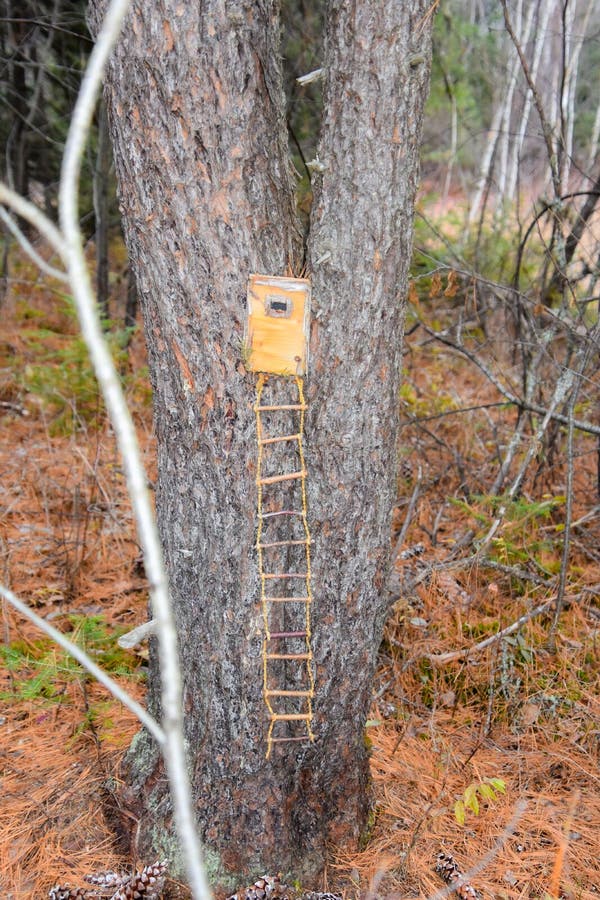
448, 869
406, 471
64, 892
148, 883
411, 552
320, 895
106, 879
269, 887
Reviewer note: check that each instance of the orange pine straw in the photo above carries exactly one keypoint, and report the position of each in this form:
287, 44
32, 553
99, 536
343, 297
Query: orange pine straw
559, 862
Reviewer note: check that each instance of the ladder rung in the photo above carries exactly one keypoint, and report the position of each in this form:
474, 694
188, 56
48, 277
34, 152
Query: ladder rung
277, 440
284, 544
273, 479
288, 599
289, 656
285, 740
286, 575
286, 634
290, 717
288, 693
283, 406
282, 512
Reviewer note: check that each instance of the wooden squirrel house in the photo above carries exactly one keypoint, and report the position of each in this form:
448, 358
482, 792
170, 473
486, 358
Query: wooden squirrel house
276, 338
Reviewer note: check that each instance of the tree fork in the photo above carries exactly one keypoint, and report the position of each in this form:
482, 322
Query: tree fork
195, 101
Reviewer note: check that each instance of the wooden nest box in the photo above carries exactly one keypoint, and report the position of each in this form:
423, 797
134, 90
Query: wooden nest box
276, 337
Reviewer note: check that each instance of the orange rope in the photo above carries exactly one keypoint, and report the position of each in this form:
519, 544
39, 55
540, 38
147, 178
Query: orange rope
307, 656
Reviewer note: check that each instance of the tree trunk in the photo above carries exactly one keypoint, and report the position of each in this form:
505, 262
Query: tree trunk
101, 212
195, 99
17, 142
523, 30
519, 139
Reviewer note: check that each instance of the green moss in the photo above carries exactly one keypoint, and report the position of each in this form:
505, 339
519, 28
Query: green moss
367, 832
480, 629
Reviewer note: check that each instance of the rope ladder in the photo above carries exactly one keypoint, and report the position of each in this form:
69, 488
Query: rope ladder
283, 543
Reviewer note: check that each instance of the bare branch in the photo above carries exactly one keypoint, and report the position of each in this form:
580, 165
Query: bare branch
33, 215
563, 385
315, 75
585, 358
29, 249
439, 659
540, 38
416, 420
174, 746
411, 507
510, 396
69, 247
172, 713
575, 235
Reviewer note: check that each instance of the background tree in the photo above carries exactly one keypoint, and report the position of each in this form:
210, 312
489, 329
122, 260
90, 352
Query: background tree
197, 113
45, 47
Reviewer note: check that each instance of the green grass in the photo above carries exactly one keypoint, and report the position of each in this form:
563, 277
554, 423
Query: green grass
57, 369
39, 670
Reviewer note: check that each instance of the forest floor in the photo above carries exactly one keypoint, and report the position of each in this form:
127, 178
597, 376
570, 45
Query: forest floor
491, 756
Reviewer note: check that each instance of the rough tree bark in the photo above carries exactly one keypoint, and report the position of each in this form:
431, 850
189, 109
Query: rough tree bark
195, 99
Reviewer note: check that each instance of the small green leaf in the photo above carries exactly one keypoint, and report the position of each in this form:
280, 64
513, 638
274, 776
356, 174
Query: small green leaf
498, 784
470, 791
473, 803
486, 791
459, 812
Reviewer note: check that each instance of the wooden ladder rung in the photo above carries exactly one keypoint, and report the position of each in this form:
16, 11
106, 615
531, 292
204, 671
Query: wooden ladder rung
289, 656
275, 408
277, 440
285, 575
290, 717
288, 693
287, 599
285, 740
284, 544
273, 479
286, 634
281, 512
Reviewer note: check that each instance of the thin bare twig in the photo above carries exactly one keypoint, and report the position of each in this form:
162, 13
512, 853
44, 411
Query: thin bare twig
30, 249
531, 383
517, 572
512, 398
441, 658
14, 407
500, 291
585, 358
69, 245
415, 420
33, 215
411, 508
108, 379
563, 385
